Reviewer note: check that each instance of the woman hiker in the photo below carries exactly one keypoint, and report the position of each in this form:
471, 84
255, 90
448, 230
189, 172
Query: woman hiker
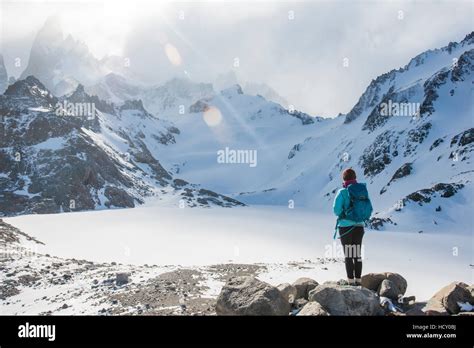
353, 208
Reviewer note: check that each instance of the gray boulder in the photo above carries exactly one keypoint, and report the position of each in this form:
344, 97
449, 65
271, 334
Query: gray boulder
388, 289
346, 300
250, 296
445, 301
304, 286
288, 291
313, 308
396, 286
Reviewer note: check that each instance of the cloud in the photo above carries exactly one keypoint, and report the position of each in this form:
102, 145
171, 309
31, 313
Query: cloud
298, 48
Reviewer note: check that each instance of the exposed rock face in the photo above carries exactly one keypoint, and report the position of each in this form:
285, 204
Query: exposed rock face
250, 296
377, 223
393, 287
313, 308
379, 154
403, 171
304, 286
346, 300
445, 301
371, 96
444, 190
118, 198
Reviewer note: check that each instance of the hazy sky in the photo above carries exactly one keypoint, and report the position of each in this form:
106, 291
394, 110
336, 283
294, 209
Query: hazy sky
298, 48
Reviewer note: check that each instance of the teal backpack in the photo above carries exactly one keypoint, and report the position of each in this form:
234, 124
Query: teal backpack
360, 207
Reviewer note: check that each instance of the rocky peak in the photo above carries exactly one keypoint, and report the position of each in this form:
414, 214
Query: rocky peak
464, 65
79, 93
469, 39
30, 87
50, 35
61, 63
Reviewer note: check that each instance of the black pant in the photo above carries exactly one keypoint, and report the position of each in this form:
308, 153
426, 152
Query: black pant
352, 245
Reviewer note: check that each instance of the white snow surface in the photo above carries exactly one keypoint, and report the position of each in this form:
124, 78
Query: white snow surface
153, 234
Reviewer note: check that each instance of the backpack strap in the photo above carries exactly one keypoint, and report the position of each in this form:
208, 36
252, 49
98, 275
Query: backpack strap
336, 230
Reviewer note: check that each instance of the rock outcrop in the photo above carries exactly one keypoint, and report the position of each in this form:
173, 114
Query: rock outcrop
346, 300
447, 300
250, 296
388, 284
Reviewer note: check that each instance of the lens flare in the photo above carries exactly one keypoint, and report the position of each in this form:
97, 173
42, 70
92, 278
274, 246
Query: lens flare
173, 54
212, 116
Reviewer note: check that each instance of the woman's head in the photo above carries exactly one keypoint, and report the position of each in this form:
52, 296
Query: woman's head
348, 174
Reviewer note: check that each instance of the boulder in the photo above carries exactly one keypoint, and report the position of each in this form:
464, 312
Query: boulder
313, 308
397, 285
445, 301
250, 296
288, 291
388, 289
346, 300
304, 286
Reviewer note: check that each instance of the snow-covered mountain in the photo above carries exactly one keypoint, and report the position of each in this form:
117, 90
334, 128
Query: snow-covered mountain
79, 153
410, 136
176, 95
61, 63
265, 91
115, 88
418, 164
234, 123
229, 79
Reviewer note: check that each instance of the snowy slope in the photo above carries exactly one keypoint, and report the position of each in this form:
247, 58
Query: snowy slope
234, 120
436, 144
197, 237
